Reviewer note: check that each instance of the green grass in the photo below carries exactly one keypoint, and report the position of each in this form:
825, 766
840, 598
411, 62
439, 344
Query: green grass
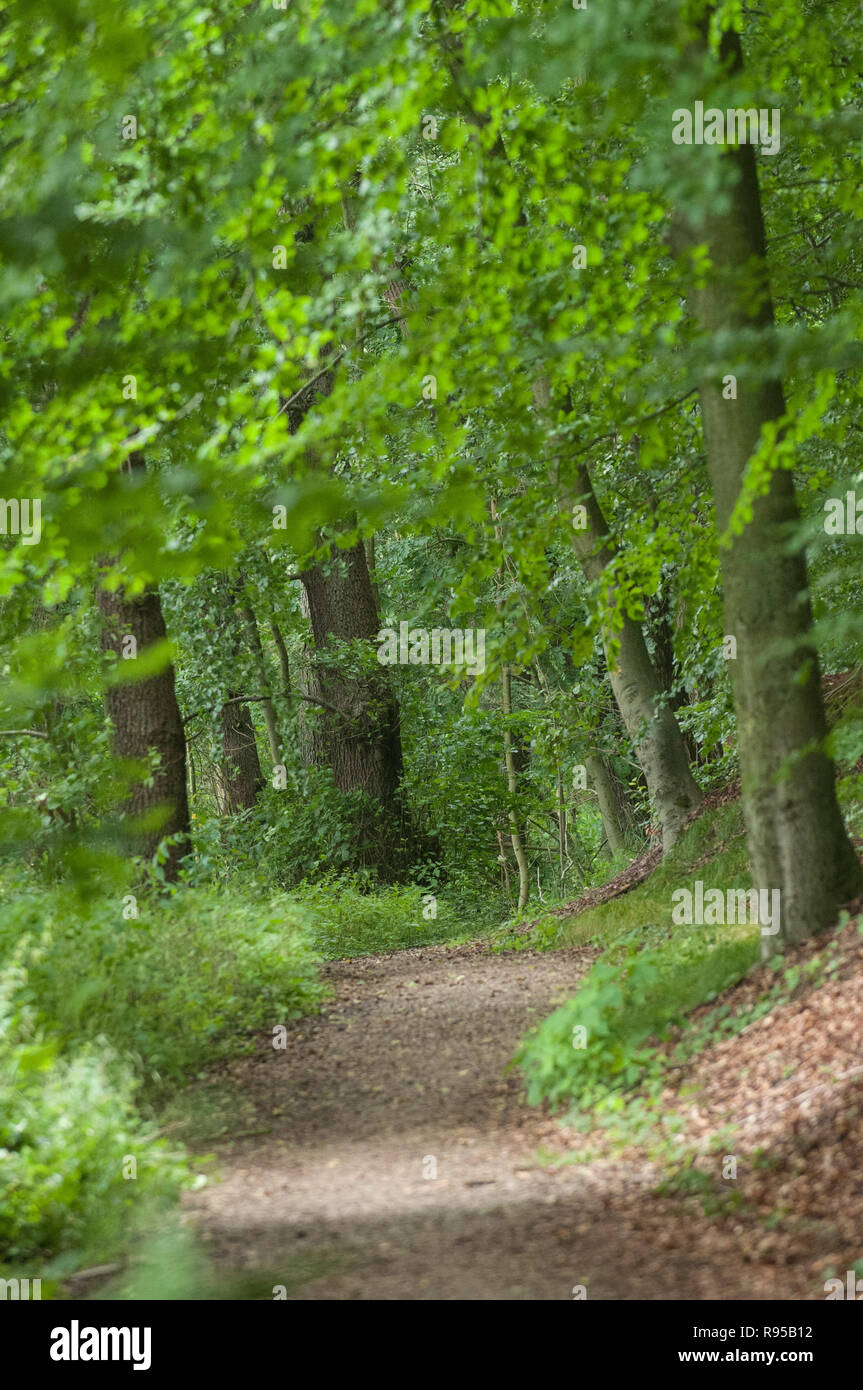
102, 1018
352, 921
188, 980
718, 834
652, 973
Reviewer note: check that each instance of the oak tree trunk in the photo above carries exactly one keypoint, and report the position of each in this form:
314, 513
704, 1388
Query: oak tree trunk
146, 717
359, 718
241, 774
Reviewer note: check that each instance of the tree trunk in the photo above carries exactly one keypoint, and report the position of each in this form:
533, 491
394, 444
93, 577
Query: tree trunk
145, 717
667, 670
357, 731
650, 723
259, 661
310, 731
798, 843
602, 780
241, 778
360, 718
516, 834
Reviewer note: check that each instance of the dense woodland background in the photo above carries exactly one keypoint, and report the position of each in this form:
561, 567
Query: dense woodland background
319, 319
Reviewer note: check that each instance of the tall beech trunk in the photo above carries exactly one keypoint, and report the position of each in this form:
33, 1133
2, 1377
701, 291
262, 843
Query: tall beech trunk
650, 723
145, 716
655, 733
241, 774
516, 832
665, 663
359, 720
797, 839
615, 804
603, 781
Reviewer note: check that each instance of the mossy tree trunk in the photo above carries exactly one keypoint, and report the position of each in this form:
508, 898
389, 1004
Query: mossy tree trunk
797, 839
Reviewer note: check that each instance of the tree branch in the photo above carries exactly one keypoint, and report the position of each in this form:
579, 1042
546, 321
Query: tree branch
255, 699
333, 362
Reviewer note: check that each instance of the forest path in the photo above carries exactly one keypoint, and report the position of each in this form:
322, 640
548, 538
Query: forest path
407, 1065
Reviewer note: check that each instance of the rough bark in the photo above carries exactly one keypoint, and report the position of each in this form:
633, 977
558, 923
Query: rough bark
360, 720
797, 839
145, 716
241, 775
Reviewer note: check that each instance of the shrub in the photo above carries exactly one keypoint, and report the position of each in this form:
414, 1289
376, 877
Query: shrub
356, 918
630, 994
186, 981
68, 1134
306, 829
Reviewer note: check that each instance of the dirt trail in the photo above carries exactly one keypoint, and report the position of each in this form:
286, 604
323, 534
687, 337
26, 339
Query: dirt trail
404, 1074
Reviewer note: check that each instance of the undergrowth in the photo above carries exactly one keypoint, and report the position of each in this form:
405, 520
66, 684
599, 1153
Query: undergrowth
108, 1006
603, 1059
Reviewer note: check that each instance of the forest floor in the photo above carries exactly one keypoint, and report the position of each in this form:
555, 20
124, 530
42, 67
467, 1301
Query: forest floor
386, 1153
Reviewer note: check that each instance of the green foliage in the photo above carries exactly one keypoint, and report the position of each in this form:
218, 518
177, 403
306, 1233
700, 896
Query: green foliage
353, 917
69, 1131
306, 828
191, 979
101, 1017
650, 974
632, 993
148, 257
